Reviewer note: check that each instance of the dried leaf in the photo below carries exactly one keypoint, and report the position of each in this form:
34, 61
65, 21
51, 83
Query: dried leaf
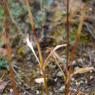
83, 70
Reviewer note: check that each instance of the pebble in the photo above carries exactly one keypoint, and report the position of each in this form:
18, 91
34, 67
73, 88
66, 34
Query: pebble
61, 89
59, 74
39, 80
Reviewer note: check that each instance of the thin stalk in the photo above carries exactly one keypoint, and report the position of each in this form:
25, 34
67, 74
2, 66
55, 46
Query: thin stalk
67, 82
73, 53
68, 32
38, 46
6, 31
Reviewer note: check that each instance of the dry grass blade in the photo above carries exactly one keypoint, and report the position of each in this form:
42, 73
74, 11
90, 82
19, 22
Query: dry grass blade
54, 54
31, 47
57, 47
60, 59
73, 53
83, 70
64, 77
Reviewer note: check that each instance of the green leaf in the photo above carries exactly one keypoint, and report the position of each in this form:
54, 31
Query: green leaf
3, 64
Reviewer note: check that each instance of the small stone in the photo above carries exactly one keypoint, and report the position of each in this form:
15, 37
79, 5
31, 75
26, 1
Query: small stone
77, 83
77, 68
39, 80
59, 74
73, 79
91, 77
37, 92
52, 66
61, 89
55, 79
81, 82
86, 81
75, 90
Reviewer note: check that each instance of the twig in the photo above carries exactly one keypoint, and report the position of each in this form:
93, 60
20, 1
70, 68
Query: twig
67, 82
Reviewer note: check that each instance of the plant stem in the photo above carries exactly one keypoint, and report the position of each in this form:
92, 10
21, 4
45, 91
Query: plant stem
73, 53
6, 31
38, 46
67, 82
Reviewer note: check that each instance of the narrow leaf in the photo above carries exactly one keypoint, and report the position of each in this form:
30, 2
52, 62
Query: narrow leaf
31, 47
